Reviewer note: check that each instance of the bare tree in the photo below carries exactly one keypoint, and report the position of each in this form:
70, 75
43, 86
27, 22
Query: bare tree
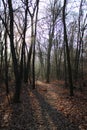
33, 37
67, 51
79, 42
6, 53
55, 11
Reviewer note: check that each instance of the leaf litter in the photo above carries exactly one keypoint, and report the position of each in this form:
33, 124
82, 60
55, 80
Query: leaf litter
48, 107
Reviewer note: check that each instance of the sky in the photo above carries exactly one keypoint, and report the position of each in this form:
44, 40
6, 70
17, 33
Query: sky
72, 4
72, 8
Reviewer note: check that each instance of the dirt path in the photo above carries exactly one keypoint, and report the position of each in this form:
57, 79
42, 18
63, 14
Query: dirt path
57, 110
45, 109
48, 107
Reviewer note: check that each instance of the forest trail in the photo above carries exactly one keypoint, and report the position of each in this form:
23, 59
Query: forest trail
48, 107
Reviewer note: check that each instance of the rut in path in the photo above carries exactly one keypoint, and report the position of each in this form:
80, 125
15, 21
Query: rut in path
45, 108
46, 116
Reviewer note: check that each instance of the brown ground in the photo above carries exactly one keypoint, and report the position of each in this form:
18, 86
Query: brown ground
48, 107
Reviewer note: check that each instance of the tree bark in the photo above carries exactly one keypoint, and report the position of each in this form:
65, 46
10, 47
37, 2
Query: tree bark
14, 59
67, 51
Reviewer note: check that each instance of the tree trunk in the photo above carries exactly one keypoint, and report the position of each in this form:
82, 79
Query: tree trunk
27, 69
14, 59
67, 52
48, 62
51, 35
34, 43
6, 65
65, 67
78, 49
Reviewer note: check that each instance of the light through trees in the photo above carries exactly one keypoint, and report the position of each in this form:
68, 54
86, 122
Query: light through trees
42, 40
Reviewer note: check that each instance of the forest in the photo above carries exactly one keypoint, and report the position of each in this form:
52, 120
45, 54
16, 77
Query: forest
43, 64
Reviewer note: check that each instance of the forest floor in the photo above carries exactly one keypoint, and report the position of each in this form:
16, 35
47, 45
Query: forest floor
48, 107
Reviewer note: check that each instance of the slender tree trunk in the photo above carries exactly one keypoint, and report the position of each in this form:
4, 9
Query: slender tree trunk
23, 58
51, 35
15, 64
67, 52
65, 67
1, 59
33, 52
78, 49
34, 43
42, 68
6, 54
28, 65
48, 61
33, 67
6, 66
